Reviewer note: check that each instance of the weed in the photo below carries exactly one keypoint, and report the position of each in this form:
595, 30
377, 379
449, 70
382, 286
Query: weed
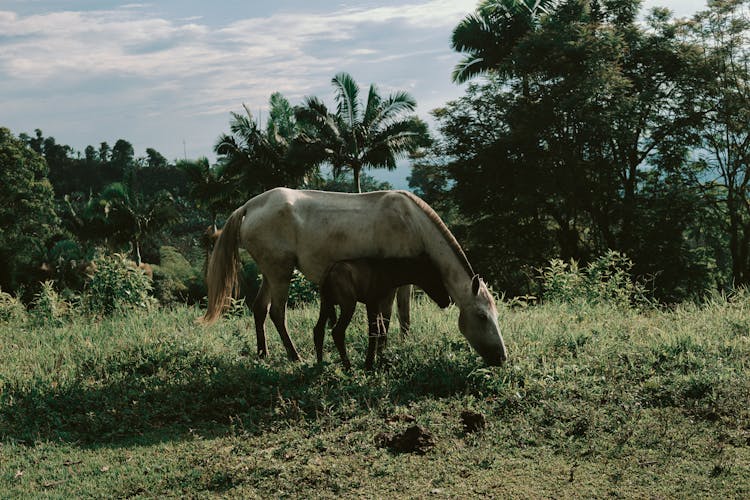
116, 285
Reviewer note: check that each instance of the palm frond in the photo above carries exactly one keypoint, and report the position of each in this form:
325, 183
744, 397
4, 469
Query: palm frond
392, 110
468, 68
489, 35
372, 106
347, 98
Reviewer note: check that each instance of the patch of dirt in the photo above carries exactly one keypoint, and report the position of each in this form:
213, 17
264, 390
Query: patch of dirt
414, 439
472, 421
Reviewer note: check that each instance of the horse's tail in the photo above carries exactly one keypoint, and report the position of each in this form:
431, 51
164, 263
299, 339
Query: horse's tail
223, 267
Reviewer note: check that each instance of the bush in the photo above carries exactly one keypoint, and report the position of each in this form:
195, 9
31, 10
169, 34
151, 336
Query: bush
48, 308
607, 280
11, 309
67, 261
117, 284
301, 290
174, 277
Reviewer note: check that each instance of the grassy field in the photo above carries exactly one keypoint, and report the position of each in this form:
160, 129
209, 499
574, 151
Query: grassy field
594, 402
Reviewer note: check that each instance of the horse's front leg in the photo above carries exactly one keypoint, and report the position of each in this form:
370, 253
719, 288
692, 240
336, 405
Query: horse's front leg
279, 285
378, 320
373, 335
385, 309
260, 311
403, 303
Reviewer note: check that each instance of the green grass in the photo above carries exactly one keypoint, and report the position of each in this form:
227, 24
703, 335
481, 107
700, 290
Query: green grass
594, 402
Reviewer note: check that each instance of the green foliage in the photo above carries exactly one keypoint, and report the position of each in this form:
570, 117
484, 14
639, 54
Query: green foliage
209, 188
606, 280
48, 308
342, 183
253, 160
131, 217
116, 285
175, 279
721, 170
573, 143
27, 215
372, 132
11, 309
67, 261
301, 290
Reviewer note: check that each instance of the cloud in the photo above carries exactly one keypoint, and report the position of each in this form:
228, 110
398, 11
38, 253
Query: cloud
129, 63
126, 41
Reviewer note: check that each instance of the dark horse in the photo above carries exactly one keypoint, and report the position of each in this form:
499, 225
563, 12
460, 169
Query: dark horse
373, 282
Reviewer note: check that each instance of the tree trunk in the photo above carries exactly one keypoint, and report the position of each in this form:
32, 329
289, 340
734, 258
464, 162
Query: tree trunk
357, 186
137, 251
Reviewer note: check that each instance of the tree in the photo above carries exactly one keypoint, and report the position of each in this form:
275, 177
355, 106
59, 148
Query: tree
342, 183
562, 138
722, 171
104, 152
123, 155
90, 155
155, 159
259, 160
132, 217
210, 190
373, 133
27, 214
490, 36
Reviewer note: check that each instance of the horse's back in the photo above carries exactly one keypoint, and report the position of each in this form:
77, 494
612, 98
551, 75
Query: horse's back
320, 227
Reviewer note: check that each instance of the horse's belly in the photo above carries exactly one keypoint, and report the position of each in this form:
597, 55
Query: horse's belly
315, 254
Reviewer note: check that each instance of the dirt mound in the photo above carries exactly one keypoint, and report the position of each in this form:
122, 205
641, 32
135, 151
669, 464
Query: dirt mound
414, 439
472, 421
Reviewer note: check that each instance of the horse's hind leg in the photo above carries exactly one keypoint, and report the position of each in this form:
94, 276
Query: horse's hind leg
339, 331
260, 311
279, 294
403, 300
327, 312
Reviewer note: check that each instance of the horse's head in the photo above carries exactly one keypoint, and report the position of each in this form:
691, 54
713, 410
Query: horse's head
477, 321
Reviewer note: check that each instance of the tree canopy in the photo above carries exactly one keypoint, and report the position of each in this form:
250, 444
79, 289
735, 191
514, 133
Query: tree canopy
27, 213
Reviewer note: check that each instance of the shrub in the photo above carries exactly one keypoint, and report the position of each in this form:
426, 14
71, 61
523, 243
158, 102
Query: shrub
174, 276
67, 262
116, 285
607, 280
48, 308
11, 309
301, 290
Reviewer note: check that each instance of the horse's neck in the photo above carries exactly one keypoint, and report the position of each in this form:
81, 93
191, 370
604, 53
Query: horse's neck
452, 269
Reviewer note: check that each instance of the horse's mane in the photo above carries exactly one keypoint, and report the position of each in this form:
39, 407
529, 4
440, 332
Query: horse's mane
440, 225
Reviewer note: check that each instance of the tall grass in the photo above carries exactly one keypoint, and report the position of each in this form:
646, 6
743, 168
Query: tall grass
595, 400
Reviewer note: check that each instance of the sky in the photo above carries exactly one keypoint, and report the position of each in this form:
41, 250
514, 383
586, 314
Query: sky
167, 74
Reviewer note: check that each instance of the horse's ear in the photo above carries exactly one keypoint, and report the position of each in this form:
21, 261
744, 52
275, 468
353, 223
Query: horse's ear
475, 281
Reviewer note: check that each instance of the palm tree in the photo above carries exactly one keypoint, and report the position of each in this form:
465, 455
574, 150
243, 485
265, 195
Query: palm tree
132, 217
357, 135
489, 36
208, 186
258, 159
